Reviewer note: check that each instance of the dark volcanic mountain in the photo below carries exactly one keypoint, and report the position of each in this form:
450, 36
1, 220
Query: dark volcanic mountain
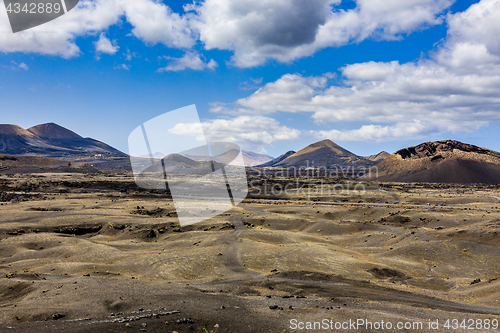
323, 154
442, 162
50, 140
278, 159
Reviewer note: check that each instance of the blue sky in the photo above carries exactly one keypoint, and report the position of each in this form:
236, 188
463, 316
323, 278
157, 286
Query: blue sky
371, 75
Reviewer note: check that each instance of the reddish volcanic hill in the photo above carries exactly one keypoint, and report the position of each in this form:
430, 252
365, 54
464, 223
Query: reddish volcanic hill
50, 140
445, 161
378, 157
16, 140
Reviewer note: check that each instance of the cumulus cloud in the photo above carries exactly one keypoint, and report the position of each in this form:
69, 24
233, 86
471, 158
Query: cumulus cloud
58, 37
455, 90
377, 133
191, 60
254, 30
104, 45
258, 30
250, 132
153, 22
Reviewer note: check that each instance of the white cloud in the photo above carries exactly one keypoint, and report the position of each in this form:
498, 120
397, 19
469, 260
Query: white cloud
377, 133
104, 45
251, 84
250, 132
129, 55
254, 30
122, 66
152, 21
57, 37
15, 66
258, 30
455, 90
191, 60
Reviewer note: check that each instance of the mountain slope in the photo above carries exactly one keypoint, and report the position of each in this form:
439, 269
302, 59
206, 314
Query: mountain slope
53, 131
378, 157
444, 161
50, 140
17, 141
323, 154
278, 159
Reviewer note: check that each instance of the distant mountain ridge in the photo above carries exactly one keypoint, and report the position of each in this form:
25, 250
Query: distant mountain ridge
249, 158
50, 140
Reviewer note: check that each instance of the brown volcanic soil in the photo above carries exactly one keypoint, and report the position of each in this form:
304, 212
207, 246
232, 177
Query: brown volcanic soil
95, 260
10, 165
442, 162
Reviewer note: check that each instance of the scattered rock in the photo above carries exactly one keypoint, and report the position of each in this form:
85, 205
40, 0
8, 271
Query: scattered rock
475, 281
172, 214
154, 212
382, 273
57, 316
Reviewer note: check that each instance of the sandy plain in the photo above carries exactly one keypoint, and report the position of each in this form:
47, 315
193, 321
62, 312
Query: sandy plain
92, 253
